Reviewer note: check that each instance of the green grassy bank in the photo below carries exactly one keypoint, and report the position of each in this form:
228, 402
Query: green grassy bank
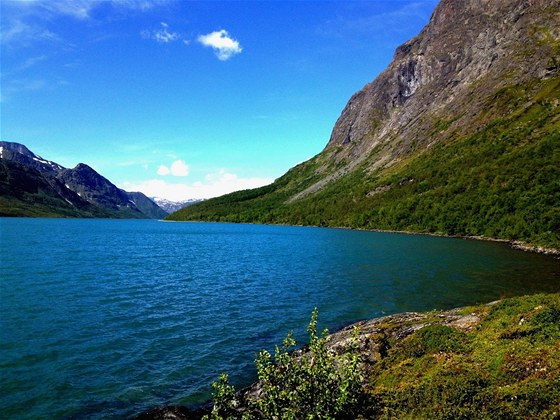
489, 361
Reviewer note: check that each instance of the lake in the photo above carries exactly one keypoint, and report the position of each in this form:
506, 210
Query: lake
108, 318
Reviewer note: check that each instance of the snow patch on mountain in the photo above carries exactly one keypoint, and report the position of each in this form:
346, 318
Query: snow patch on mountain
172, 206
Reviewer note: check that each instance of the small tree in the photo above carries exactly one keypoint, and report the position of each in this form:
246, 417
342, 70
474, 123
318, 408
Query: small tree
223, 395
317, 383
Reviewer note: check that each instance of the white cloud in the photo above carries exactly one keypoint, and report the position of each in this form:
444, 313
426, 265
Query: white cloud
223, 45
178, 168
163, 170
214, 185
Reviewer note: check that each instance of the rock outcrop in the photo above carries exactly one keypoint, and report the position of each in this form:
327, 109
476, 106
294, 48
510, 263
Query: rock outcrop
468, 50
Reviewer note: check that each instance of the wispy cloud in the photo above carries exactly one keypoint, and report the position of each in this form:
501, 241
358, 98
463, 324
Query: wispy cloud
359, 19
162, 35
29, 62
19, 33
14, 87
223, 45
32, 62
79, 9
28, 84
25, 22
141, 5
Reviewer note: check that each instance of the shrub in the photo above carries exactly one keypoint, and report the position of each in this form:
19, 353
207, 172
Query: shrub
317, 383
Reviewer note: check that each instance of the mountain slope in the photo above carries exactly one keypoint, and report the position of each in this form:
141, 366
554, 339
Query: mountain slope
24, 191
148, 207
459, 135
33, 186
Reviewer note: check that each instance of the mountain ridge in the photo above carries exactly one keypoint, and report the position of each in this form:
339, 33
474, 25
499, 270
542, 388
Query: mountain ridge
458, 136
172, 206
33, 186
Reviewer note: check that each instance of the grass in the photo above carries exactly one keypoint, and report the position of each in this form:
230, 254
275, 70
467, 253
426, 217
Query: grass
507, 366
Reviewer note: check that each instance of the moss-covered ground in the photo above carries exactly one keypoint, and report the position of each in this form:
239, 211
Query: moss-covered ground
505, 365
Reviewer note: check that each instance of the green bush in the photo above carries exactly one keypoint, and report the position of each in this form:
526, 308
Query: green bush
316, 384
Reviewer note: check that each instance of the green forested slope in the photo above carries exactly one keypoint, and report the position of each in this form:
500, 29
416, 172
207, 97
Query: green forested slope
502, 180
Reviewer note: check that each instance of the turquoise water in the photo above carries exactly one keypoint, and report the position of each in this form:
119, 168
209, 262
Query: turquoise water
108, 318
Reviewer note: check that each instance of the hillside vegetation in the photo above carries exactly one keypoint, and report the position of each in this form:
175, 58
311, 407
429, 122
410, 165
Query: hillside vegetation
501, 180
459, 135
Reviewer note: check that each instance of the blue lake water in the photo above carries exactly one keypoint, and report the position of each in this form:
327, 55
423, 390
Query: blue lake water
108, 318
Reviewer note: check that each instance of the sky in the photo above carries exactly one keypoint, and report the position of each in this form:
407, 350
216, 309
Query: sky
190, 99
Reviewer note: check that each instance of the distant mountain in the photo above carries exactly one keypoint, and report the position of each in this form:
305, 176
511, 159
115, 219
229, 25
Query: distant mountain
146, 205
460, 135
33, 186
172, 206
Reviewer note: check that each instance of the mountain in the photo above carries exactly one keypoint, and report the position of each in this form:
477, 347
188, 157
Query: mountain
33, 186
172, 206
460, 135
146, 205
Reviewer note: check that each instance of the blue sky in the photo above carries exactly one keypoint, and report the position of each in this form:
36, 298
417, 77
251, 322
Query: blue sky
183, 99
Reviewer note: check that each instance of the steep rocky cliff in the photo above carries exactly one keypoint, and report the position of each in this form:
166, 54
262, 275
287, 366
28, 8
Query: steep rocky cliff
447, 76
459, 135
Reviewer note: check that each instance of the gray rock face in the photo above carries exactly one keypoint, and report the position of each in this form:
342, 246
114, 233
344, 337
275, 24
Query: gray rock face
468, 49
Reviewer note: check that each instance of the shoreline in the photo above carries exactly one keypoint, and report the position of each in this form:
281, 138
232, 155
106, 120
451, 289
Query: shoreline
514, 244
378, 336
400, 325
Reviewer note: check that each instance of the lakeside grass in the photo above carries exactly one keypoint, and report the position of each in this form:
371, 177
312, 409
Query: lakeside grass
499, 360
508, 366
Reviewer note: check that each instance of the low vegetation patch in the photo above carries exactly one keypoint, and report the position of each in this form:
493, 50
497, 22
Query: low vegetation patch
506, 366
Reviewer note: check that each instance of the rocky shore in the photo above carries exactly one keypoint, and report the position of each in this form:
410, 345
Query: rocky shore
376, 337
520, 245
538, 249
